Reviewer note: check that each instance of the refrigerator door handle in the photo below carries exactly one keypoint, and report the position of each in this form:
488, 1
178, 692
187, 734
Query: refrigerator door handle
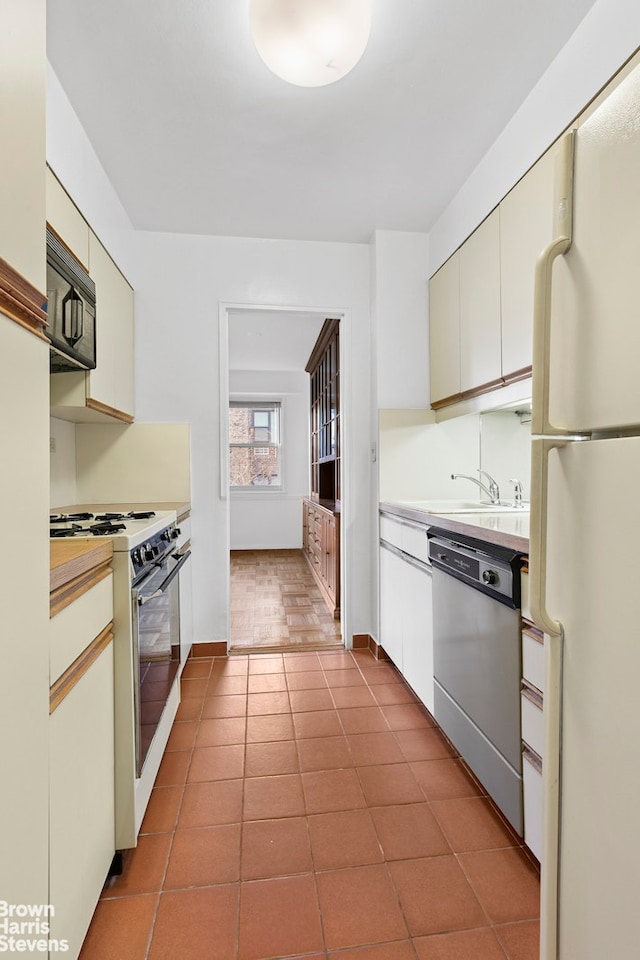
554, 636
563, 231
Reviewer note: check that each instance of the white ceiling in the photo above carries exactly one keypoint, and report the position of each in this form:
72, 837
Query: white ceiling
197, 136
272, 339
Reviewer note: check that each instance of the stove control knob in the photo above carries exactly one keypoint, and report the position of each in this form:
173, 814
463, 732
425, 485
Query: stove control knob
489, 577
136, 557
175, 533
147, 551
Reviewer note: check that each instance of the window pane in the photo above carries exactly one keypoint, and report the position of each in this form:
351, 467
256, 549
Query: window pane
254, 466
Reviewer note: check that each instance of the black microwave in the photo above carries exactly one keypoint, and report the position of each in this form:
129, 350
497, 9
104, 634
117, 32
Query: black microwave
71, 310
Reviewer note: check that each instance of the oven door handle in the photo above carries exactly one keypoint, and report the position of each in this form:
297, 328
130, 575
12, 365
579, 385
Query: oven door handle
165, 583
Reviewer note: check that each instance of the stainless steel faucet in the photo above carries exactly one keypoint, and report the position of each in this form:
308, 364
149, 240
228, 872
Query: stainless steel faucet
492, 491
517, 492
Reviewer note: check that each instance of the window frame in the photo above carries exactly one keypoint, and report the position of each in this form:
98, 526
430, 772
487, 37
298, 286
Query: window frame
259, 403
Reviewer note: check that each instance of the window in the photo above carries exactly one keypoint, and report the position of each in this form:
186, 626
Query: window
254, 444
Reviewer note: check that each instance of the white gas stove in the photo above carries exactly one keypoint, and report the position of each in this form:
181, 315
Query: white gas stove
147, 650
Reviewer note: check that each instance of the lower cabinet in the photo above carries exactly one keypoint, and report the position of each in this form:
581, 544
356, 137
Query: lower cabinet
321, 548
406, 627
81, 763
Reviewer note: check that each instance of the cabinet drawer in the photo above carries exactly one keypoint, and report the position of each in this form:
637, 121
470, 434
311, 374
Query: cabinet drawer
73, 629
532, 782
533, 657
391, 530
532, 719
414, 540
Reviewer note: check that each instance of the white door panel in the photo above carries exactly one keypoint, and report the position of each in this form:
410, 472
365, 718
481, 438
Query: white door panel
595, 314
593, 587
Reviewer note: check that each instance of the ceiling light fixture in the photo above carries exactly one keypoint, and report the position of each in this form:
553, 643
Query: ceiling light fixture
310, 42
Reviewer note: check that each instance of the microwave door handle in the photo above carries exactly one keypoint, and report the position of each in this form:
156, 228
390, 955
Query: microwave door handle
165, 583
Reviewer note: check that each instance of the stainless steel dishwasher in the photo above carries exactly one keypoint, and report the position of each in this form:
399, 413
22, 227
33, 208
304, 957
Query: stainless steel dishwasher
477, 660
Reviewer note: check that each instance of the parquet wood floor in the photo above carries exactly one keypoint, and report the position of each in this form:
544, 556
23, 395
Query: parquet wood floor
276, 605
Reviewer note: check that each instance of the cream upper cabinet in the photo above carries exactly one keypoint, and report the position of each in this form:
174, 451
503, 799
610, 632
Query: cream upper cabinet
480, 349
526, 221
444, 330
107, 392
67, 221
111, 383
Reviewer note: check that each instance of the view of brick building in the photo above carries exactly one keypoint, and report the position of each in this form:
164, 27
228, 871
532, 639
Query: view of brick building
254, 444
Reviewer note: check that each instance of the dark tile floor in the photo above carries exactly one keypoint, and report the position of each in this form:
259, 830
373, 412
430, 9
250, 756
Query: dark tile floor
308, 806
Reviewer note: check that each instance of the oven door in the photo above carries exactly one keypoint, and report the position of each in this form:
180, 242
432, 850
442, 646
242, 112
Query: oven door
156, 654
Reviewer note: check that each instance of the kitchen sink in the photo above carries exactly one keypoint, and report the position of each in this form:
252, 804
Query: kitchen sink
464, 506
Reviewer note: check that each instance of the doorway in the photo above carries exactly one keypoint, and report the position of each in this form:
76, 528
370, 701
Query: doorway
273, 601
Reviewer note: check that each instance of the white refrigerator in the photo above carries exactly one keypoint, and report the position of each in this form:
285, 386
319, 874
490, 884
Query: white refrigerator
585, 534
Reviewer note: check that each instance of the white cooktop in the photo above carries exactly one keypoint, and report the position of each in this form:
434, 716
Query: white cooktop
135, 531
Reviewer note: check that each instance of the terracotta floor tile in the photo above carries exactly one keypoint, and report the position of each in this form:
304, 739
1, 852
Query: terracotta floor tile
329, 790
197, 667
144, 867
303, 701
380, 673
344, 678
363, 720
445, 779
306, 680
267, 682
435, 896
203, 856
265, 729
211, 803
232, 705
480, 944
399, 950
272, 848
120, 929
265, 759
389, 783
408, 831
217, 763
390, 693
520, 940
193, 924
228, 666
406, 716
266, 664
215, 731
336, 661
268, 798
374, 748
262, 704
427, 744
182, 736
324, 753
220, 685
358, 696
173, 768
359, 906
317, 723
193, 689
279, 918
162, 810
506, 884
472, 824
189, 709
344, 839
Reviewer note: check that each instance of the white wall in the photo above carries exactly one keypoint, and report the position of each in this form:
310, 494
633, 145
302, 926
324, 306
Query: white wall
63, 489
606, 38
264, 519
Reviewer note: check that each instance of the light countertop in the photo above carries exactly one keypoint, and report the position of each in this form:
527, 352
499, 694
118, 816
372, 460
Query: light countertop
72, 558
181, 508
505, 529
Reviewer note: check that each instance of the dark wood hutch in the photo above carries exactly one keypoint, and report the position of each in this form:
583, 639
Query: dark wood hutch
321, 510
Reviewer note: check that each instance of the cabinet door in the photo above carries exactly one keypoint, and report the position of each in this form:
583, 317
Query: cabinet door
444, 330
81, 796
111, 383
526, 221
417, 633
391, 574
66, 220
480, 349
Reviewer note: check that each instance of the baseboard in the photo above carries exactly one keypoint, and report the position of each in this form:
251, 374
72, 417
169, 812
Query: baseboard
364, 641
215, 648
